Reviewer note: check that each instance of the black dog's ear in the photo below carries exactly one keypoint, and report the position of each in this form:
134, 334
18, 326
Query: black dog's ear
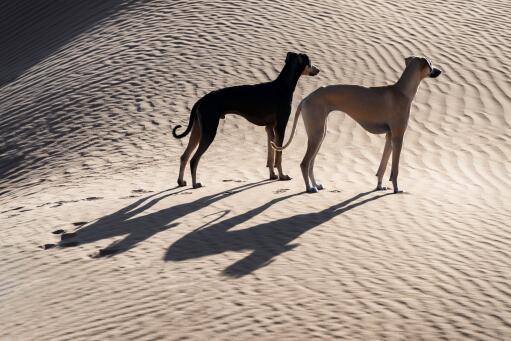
288, 56
305, 59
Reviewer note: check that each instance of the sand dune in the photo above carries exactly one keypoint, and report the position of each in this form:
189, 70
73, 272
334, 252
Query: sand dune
89, 94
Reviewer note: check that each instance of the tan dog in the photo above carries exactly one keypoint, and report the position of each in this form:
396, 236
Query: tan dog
379, 110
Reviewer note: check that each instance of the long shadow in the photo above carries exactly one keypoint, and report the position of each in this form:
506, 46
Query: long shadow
267, 240
137, 229
32, 30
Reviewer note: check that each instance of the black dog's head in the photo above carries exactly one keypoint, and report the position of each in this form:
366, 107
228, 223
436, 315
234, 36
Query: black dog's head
426, 67
303, 62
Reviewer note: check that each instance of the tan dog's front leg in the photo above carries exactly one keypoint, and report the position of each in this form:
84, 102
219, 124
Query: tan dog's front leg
387, 150
397, 143
270, 163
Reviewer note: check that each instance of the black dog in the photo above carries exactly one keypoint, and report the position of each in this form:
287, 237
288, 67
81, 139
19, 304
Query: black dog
265, 104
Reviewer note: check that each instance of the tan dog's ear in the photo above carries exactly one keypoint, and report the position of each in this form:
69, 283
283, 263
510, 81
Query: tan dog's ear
427, 63
408, 60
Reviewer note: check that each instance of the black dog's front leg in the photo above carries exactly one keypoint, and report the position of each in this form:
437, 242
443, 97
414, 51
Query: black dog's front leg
270, 163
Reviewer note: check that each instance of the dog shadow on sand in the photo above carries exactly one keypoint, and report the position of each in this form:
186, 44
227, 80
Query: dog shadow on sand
267, 240
136, 229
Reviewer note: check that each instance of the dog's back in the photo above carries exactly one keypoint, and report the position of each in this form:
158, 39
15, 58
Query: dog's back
254, 102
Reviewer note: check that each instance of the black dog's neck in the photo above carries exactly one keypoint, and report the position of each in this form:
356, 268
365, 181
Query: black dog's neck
288, 77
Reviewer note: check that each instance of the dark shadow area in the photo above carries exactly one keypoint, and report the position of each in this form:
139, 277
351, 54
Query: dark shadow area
267, 240
137, 229
9, 163
32, 30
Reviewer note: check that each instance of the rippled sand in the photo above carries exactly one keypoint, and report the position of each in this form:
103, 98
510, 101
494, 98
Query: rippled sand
89, 94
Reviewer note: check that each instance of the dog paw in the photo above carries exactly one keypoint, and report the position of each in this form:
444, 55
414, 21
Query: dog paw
197, 185
312, 190
284, 177
381, 188
398, 191
274, 176
181, 183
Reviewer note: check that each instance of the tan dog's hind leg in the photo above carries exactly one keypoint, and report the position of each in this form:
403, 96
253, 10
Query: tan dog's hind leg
311, 168
314, 123
387, 150
397, 143
192, 144
270, 163
312, 146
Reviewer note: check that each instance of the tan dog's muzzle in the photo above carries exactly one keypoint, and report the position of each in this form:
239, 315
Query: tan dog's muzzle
435, 73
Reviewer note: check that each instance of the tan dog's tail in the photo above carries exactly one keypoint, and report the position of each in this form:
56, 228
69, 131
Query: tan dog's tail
297, 114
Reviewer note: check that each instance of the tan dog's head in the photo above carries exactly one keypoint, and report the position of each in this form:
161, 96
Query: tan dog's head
425, 66
303, 63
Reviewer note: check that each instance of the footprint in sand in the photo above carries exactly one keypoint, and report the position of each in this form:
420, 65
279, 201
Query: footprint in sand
63, 236
281, 190
93, 198
80, 223
52, 246
129, 196
47, 246
140, 191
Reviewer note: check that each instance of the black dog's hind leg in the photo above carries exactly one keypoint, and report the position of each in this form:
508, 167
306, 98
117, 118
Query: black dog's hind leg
280, 130
270, 163
192, 144
208, 126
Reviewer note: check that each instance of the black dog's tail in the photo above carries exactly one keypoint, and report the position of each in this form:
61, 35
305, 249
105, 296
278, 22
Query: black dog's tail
193, 113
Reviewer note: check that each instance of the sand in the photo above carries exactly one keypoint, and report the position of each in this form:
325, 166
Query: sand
89, 94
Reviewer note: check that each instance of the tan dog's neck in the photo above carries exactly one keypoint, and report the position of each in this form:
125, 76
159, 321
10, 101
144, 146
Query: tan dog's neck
409, 81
